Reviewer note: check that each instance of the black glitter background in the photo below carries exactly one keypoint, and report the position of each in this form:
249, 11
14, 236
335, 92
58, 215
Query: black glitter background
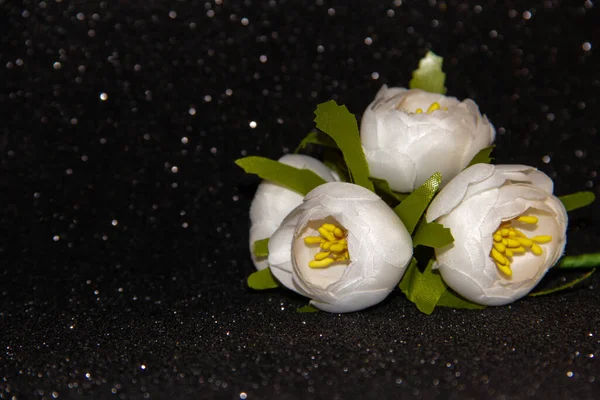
124, 225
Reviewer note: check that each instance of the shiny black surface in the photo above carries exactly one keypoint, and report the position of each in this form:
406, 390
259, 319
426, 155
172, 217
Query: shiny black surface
124, 228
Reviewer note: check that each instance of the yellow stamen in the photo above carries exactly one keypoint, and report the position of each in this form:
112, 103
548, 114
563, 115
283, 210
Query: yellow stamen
326, 262
433, 107
418, 111
528, 219
329, 227
333, 244
542, 239
510, 242
526, 242
326, 234
313, 240
498, 257
500, 247
505, 269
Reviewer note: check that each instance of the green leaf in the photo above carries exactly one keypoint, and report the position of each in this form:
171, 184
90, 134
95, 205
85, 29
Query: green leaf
299, 180
315, 137
260, 248
423, 288
337, 122
483, 157
453, 300
411, 209
261, 280
566, 286
307, 309
382, 187
432, 235
577, 200
589, 260
429, 76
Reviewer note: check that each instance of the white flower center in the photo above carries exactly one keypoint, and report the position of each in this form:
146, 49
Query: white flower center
333, 245
510, 241
433, 107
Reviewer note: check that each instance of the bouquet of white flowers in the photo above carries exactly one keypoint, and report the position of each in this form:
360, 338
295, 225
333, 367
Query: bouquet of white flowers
341, 231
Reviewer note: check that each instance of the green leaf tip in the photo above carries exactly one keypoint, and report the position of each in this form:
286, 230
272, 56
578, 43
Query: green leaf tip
566, 286
452, 300
432, 235
337, 122
413, 207
307, 309
429, 76
589, 260
427, 290
422, 288
382, 188
317, 138
482, 157
260, 248
262, 280
301, 181
577, 200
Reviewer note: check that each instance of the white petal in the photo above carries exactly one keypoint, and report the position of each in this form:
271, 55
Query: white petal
272, 202
280, 255
342, 191
455, 191
378, 243
355, 301
259, 231
395, 137
395, 167
511, 191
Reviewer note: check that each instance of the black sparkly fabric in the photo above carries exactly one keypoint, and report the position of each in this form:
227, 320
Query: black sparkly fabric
124, 221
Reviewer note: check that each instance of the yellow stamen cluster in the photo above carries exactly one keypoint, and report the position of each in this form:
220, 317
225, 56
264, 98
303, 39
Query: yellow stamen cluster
433, 107
333, 243
509, 241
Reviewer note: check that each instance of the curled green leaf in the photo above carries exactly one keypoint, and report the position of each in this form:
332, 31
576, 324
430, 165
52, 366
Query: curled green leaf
382, 188
318, 138
299, 180
429, 76
453, 300
337, 122
423, 288
411, 209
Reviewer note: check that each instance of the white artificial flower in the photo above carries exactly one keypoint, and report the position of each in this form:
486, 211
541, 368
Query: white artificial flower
508, 231
343, 247
408, 135
272, 202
